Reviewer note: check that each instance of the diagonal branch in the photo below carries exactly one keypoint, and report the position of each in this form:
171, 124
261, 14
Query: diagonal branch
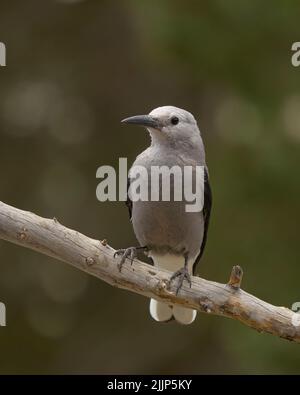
49, 237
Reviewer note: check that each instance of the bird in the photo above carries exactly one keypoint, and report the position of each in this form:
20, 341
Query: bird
173, 238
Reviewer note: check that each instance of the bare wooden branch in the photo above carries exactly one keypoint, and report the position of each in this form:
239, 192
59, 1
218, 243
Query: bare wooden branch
236, 277
49, 237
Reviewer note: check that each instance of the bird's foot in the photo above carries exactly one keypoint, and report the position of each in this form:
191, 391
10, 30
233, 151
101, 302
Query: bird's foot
182, 275
130, 253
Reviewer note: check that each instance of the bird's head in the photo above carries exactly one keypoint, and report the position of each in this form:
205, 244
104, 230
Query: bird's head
168, 125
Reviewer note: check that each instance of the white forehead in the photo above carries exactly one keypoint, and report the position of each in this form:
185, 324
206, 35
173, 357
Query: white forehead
170, 111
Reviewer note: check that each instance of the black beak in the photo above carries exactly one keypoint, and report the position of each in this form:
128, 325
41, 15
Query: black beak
142, 120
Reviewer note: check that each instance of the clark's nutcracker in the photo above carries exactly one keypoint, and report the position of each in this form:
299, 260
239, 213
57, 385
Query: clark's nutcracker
173, 238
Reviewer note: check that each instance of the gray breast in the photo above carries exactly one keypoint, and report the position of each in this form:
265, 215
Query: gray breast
166, 226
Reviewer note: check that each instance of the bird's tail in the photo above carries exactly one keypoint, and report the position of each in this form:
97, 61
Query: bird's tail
164, 312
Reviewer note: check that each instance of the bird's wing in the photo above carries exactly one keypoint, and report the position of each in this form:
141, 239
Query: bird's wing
206, 213
129, 201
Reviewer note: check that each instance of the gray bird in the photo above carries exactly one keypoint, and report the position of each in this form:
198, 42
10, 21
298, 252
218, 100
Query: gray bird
171, 236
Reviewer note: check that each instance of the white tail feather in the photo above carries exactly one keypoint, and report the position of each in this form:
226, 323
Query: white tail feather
164, 312
183, 315
160, 311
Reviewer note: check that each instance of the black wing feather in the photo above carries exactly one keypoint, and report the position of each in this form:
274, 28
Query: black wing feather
129, 201
206, 213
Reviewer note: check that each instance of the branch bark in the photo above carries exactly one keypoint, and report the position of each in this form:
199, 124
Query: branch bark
49, 237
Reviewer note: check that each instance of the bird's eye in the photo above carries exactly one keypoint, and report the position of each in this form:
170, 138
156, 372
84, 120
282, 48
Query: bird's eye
174, 120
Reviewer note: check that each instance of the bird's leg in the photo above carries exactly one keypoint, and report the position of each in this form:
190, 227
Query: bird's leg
130, 252
182, 273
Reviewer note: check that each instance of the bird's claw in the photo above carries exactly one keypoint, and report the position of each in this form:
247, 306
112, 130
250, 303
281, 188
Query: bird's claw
182, 275
130, 252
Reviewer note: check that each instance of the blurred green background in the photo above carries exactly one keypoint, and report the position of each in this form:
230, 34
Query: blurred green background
74, 70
